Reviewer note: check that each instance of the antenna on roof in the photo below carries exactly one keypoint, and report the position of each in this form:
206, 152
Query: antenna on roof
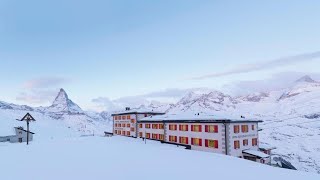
243, 117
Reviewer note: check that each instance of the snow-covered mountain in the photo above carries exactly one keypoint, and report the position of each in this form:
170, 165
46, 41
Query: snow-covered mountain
64, 110
62, 104
291, 117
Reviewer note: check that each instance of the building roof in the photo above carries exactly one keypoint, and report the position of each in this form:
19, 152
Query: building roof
20, 128
138, 111
266, 147
192, 118
256, 153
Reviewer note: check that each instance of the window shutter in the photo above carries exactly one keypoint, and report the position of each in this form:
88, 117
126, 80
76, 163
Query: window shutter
216, 128
192, 127
187, 142
187, 127
200, 142
180, 127
192, 141
206, 128
207, 143
216, 144
180, 139
200, 128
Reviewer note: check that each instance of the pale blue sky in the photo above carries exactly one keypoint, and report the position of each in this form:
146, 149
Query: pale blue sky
118, 48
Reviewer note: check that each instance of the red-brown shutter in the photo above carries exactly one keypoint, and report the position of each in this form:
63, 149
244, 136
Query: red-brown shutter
192, 141
200, 128
206, 143
192, 127
180, 127
200, 142
187, 140
216, 144
187, 126
180, 139
206, 128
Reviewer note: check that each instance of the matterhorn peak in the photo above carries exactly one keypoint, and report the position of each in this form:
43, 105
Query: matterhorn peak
307, 79
62, 103
62, 97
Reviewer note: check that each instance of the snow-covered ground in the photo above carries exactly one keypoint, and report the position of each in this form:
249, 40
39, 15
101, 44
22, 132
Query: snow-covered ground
126, 158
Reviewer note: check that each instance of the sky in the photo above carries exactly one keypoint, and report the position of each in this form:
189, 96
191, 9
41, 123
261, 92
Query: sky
126, 50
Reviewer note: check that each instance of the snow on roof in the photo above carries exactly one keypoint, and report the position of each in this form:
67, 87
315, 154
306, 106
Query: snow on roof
256, 153
266, 147
138, 111
191, 117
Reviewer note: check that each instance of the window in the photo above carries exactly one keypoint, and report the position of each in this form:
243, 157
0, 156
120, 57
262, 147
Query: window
183, 140
148, 126
161, 137
244, 128
115, 125
236, 144
154, 136
211, 128
236, 129
173, 138
128, 117
245, 142
115, 118
132, 129
128, 133
140, 126
211, 143
148, 135
119, 117
116, 131
196, 128
140, 134
254, 142
196, 141
123, 125
123, 133
155, 126
133, 121
173, 127
128, 125
252, 127
161, 126
183, 127
123, 117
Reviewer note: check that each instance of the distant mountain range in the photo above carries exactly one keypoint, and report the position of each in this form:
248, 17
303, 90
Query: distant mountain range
291, 116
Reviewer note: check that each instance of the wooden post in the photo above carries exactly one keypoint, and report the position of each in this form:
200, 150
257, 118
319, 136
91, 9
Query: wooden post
28, 132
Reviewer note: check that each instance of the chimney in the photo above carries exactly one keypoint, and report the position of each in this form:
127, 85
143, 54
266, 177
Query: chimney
127, 108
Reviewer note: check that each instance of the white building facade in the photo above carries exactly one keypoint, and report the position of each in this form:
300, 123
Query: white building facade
239, 138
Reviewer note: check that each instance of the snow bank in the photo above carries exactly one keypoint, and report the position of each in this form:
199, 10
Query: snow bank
126, 158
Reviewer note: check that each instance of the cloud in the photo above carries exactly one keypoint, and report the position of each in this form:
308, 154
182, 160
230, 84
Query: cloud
166, 95
275, 82
45, 82
37, 96
41, 90
264, 65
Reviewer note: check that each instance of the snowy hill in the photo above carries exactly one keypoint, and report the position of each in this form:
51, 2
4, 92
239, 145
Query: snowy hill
104, 158
291, 117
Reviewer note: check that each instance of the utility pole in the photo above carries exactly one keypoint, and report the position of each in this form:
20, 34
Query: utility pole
28, 118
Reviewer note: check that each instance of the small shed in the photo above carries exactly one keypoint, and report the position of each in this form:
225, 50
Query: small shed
19, 137
256, 156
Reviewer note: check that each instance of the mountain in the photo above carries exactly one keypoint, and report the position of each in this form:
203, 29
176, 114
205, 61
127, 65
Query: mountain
62, 104
291, 117
62, 109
